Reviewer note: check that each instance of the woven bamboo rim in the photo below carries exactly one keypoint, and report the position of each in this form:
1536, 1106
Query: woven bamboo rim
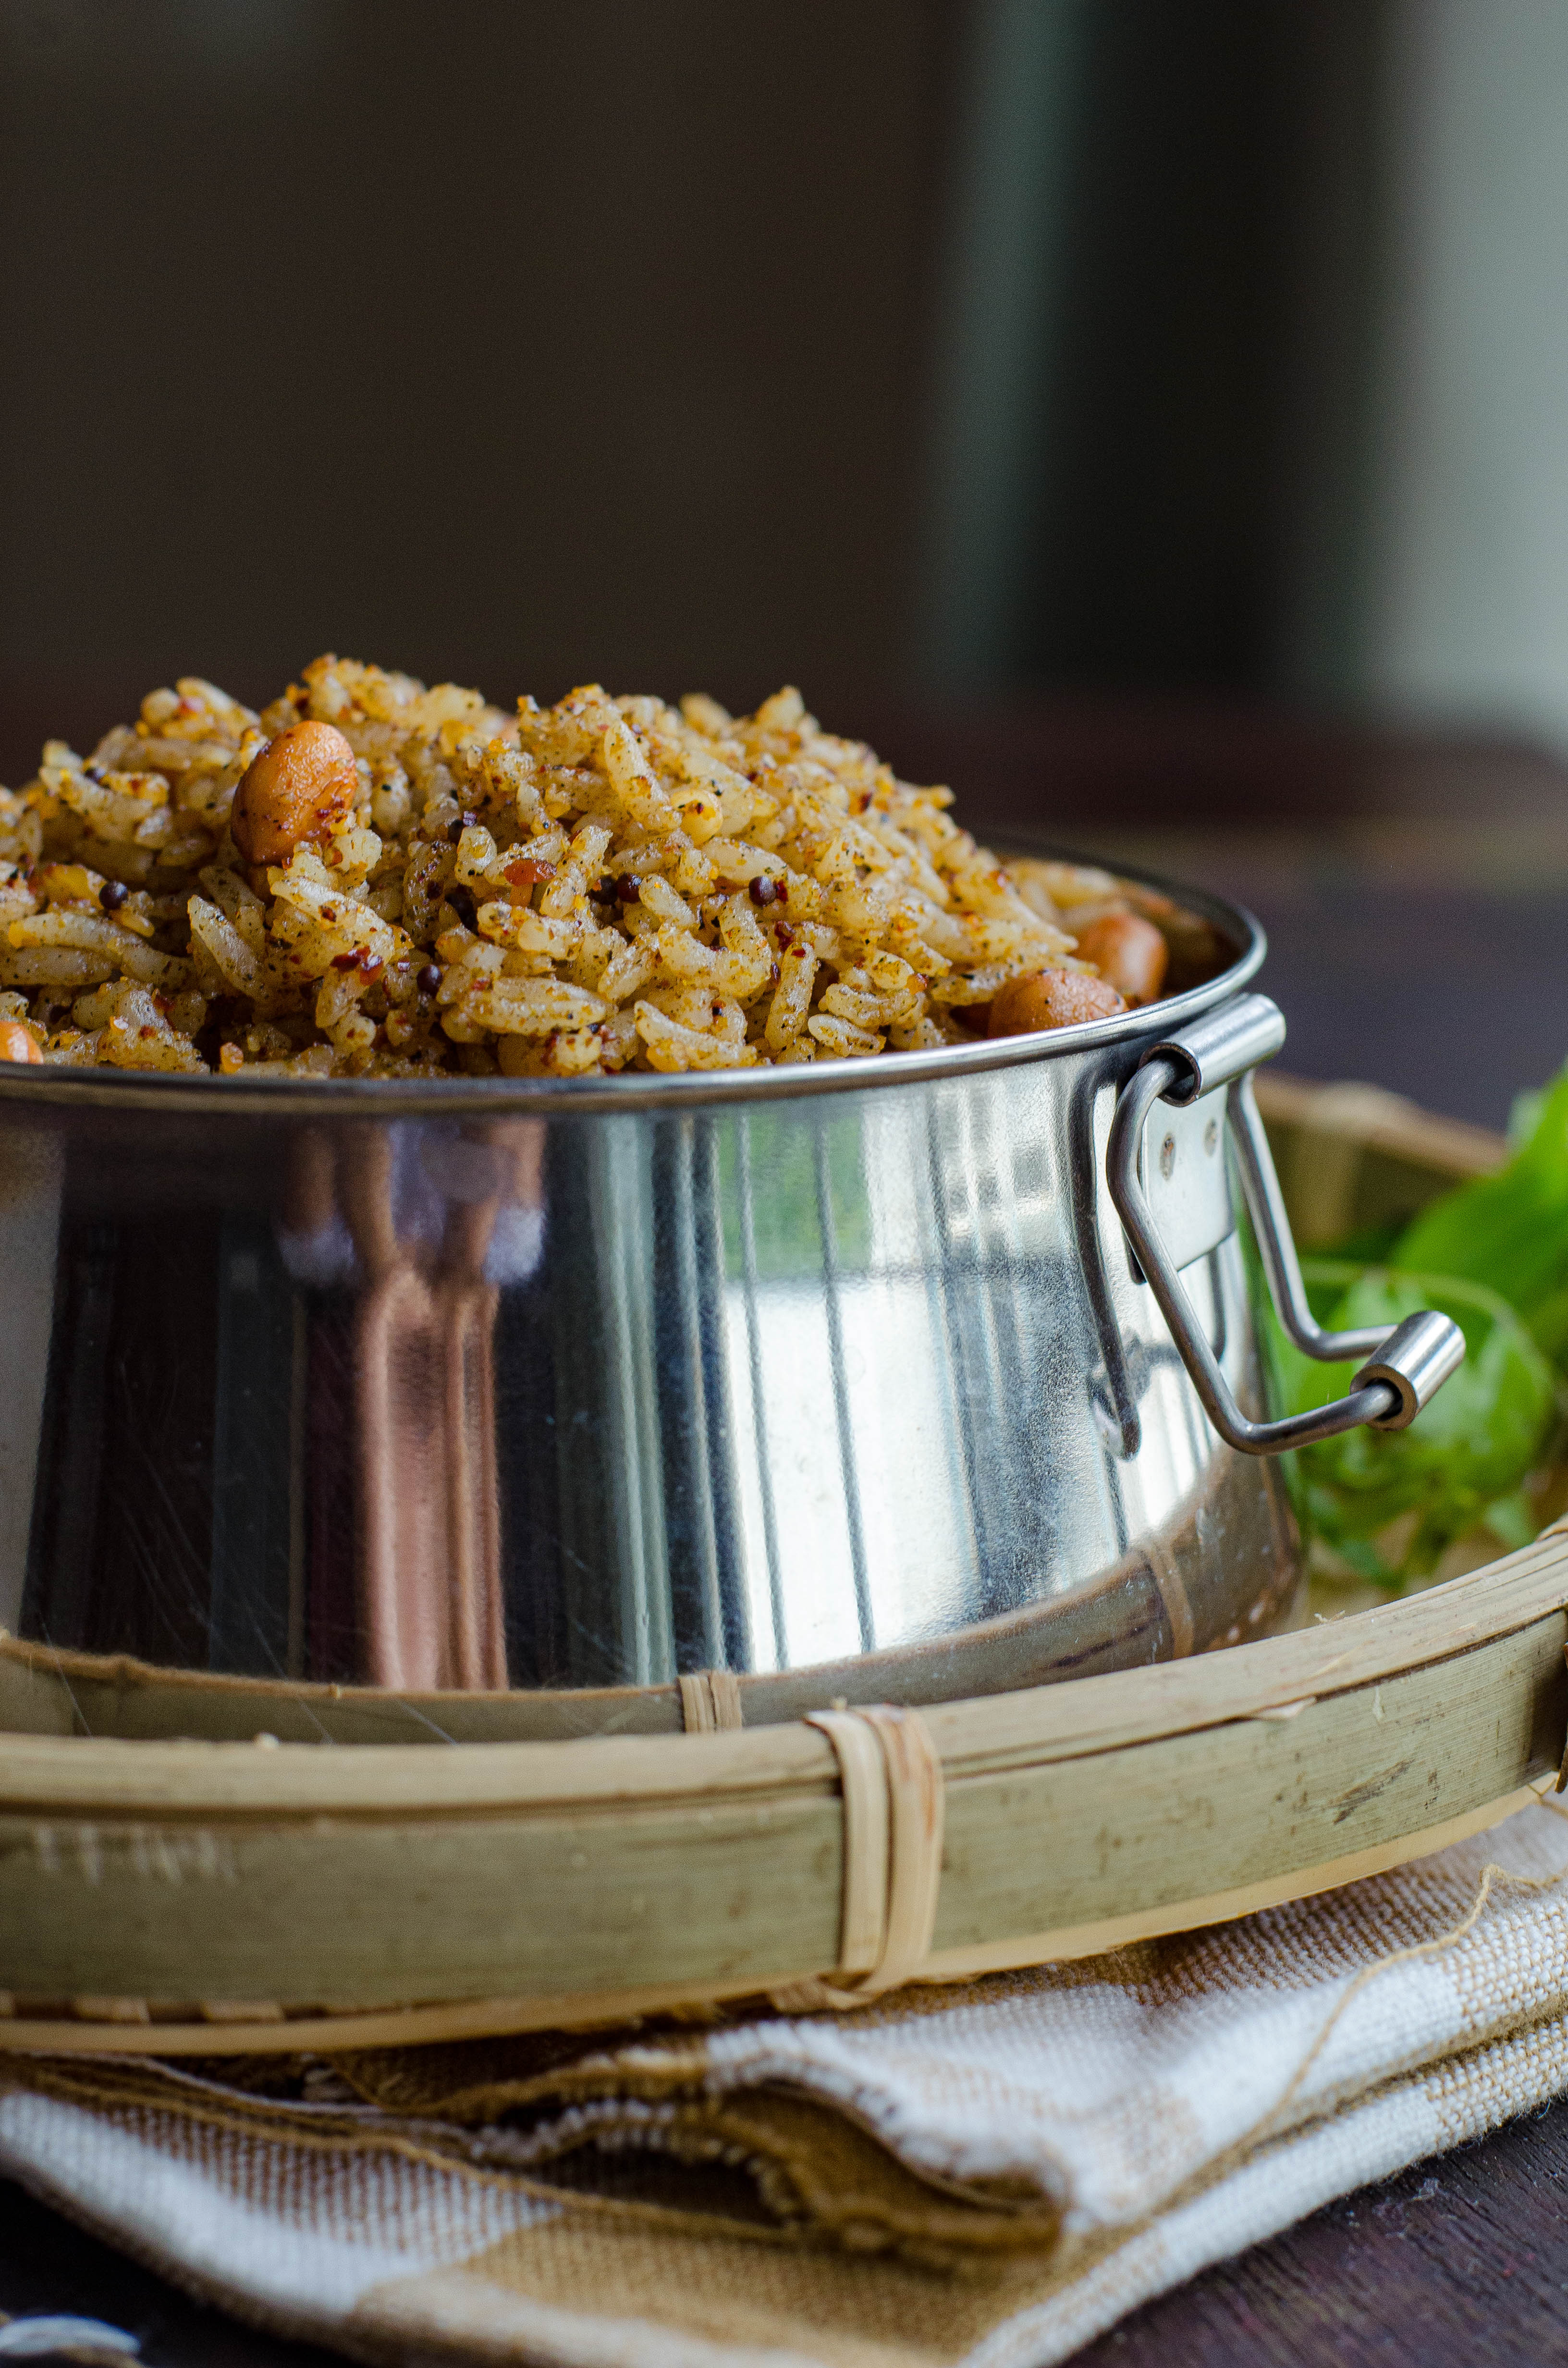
210, 1896
152, 1892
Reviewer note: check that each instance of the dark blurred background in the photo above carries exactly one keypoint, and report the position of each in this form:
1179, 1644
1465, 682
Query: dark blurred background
1148, 415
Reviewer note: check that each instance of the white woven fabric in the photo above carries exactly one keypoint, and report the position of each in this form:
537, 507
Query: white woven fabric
1174, 2101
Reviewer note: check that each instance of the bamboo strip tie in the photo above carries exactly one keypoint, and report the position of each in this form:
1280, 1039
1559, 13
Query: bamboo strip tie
891, 1777
710, 1701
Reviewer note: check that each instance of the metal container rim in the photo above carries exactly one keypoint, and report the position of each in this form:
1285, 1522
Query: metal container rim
128, 1091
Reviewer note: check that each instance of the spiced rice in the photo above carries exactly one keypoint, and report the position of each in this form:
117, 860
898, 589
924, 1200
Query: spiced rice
608, 883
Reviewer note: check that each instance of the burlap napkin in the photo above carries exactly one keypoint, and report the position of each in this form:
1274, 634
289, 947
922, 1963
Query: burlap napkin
987, 2175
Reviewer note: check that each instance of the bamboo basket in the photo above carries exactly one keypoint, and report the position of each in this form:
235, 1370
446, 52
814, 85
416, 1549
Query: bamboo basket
228, 1890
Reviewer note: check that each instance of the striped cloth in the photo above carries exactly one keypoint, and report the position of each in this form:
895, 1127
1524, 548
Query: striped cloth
988, 2175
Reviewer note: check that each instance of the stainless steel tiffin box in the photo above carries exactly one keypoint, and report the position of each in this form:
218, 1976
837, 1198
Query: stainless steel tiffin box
923, 1376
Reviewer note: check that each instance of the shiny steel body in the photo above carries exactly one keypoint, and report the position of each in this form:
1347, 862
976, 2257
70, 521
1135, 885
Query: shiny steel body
842, 1378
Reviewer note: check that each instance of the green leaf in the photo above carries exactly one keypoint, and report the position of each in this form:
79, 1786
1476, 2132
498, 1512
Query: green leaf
1508, 1231
1389, 1502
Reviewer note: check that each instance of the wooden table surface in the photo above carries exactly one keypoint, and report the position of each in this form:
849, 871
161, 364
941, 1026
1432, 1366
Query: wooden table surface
1417, 904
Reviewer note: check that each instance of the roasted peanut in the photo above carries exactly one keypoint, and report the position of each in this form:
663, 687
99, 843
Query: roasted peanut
300, 785
1051, 999
16, 1044
1127, 952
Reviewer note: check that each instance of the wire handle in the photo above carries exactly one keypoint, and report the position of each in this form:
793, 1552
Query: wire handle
1406, 1363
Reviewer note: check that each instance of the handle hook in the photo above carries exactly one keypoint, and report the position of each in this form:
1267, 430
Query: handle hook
1405, 1363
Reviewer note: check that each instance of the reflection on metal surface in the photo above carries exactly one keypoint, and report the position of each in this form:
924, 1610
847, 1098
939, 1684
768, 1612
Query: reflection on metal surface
430, 1603
837, 1392
430, 1614
29, 1225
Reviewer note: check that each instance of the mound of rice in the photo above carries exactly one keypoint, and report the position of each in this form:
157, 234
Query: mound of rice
605, 885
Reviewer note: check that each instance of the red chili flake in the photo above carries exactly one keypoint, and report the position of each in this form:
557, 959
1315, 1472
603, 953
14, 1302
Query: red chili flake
160, 1003
784, 933
527, 869
329, 912
370, 967
145, 1030
346, 961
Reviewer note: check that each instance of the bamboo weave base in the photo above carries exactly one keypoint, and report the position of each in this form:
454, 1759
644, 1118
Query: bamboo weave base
149, 1890
163, 1896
